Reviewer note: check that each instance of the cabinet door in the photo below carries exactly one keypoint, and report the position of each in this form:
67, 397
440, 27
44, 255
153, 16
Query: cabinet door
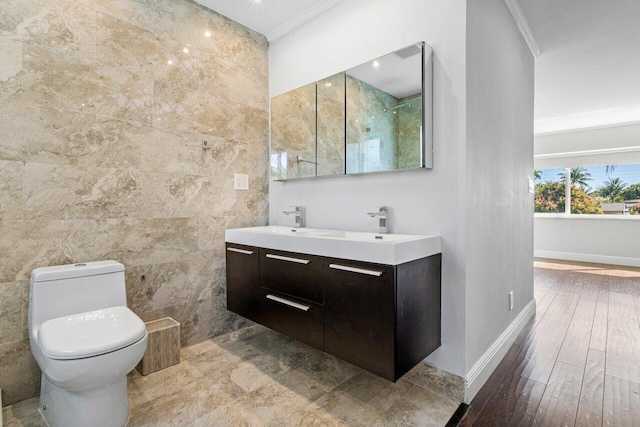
243, 280
294, 274
359, 314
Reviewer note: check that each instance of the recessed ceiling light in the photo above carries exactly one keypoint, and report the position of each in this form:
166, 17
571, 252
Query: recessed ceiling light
185, 50
257, 1
207, 33
170, 62
328, 84
375, 64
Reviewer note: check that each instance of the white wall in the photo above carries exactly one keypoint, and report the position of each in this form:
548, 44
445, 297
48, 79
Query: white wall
421, 201
601, 239
499, 220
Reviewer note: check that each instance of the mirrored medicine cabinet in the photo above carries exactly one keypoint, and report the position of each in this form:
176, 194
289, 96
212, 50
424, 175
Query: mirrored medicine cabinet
375, 117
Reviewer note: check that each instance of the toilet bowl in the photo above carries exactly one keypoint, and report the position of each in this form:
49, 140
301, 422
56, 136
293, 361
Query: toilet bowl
85, 341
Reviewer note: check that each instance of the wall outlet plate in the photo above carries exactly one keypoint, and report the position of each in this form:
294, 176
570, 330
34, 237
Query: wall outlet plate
240, 181
510, 300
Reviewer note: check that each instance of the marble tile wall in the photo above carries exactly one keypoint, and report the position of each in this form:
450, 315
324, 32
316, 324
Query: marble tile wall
103, 107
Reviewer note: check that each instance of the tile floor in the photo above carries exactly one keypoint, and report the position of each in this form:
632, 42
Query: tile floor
257, 377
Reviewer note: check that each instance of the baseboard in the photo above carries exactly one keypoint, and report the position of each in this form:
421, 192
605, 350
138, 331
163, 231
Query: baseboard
599, 259
484, 367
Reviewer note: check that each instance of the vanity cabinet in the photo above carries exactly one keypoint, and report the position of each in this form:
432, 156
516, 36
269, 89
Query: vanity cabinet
382, 318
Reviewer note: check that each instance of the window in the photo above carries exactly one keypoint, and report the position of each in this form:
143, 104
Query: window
596, 190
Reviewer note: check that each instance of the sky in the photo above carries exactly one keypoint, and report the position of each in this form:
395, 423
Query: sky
629, 174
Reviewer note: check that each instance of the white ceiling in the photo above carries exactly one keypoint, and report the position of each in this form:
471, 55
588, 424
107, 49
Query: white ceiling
588, 74
273, 18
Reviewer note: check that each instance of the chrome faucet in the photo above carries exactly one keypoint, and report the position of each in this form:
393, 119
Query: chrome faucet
383, 217
299, 214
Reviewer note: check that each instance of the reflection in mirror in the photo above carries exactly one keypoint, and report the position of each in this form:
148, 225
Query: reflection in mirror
384, 112
293, 134
331, 125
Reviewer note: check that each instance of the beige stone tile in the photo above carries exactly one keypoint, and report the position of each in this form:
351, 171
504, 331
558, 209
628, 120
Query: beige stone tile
445, 383
151, 287
14, 12
123, 48
24, 413
233, 351
272, 365
10, 58
63, 26
65, 83
244, 334
188, 110
66, 138
184, 405
228, 40
269, 405
84, 192
317, 374
10, 190
12, 311
145, 241
420, 406
337, 407
79, 192
19, 372
30, 244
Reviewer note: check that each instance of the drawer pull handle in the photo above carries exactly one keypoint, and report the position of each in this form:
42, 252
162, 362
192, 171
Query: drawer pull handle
289, 303
240, 251
286, 258
355, 270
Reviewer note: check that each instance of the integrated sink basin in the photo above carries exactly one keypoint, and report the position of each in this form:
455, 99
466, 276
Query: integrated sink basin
390, 249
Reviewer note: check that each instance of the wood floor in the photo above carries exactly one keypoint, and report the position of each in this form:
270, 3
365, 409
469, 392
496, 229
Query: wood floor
578, 361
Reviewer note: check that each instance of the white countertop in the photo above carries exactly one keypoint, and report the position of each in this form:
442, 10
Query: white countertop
390, 249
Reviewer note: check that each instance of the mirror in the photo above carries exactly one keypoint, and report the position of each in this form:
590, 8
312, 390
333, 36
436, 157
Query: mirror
293, 134
331, 125
384, 113
371, 118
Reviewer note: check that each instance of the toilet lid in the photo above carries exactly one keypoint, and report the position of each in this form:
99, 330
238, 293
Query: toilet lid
90, 334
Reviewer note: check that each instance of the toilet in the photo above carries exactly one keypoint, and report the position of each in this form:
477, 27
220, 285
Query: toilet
86, 341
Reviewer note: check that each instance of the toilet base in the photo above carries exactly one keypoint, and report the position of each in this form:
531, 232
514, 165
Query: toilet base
106, 406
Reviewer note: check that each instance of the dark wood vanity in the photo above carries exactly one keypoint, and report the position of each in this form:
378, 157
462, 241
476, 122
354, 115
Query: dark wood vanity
382, 318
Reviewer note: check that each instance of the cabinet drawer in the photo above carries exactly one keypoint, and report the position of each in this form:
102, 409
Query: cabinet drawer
243, 280
296, 318
359, 314
297, 275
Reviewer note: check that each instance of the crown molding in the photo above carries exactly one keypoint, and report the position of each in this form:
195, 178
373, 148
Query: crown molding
304, 17
523, 26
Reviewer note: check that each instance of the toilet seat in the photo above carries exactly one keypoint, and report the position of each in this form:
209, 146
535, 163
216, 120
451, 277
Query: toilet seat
89, 334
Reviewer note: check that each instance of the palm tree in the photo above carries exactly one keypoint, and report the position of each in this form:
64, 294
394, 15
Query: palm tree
611, 189
537, 174
579, 176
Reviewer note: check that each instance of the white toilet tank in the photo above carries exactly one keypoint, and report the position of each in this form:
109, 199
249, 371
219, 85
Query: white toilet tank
74, 288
